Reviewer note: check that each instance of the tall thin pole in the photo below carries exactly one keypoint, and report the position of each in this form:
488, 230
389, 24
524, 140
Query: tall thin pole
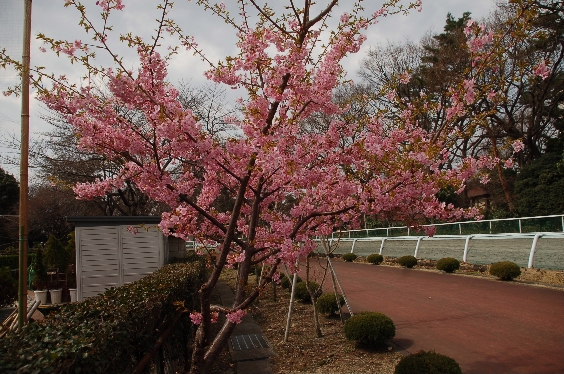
24, 155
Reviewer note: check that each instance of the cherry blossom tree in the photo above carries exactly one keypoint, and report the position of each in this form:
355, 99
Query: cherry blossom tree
286, 184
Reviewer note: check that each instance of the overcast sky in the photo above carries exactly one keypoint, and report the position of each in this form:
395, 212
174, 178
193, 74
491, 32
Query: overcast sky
217, 39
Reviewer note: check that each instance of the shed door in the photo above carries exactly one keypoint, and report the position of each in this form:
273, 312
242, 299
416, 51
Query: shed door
111, 256
98, 260
141, 252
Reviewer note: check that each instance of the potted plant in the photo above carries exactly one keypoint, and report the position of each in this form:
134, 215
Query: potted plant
71, 282
39, 276
70, 248
56, 295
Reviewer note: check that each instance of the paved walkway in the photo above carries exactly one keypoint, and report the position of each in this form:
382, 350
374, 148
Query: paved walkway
249, 349
487, 326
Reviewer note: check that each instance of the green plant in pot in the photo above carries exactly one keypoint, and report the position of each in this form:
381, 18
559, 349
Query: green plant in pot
39, 280
56, 256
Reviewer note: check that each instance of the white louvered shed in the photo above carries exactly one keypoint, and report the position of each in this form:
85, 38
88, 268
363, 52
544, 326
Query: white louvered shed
110, 254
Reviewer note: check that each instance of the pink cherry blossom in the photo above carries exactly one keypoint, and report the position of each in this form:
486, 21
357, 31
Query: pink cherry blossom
430, 230
236, 317
196, 318
542, 70
518, 146
405, 78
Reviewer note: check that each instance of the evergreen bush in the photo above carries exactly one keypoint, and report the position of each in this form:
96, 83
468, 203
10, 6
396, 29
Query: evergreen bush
327, 304
302, 292
407, 261
8, 287
375, 259
427, 363
349, 257
448, 264
13, 261
109, 333
370, 328
505, 270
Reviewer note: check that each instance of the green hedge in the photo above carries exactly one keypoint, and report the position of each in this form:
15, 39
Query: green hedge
13, 261
109, 333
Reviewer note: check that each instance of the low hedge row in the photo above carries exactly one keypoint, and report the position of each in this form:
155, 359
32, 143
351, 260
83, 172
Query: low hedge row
13, 261
106, 333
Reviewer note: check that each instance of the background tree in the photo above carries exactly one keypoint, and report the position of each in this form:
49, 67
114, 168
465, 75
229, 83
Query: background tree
10, 192
519, 92
9, 198
56, 256
49, 207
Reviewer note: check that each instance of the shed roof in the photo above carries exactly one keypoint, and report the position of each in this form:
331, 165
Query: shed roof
85, 221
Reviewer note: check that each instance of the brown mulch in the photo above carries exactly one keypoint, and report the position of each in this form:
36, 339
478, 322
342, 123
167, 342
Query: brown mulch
304, 352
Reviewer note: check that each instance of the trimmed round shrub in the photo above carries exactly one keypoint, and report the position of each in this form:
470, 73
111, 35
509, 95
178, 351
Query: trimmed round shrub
8, 287
427, 363
448, 264
303, 294
375, 259
327, 304
349, 257
505, 270
286, 282
407, 261
370, 328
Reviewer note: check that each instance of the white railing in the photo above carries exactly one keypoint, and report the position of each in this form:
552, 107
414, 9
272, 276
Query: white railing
533, 228
552, 223
534, 236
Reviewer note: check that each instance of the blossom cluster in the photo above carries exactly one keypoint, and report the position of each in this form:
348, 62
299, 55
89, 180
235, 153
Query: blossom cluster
236, 317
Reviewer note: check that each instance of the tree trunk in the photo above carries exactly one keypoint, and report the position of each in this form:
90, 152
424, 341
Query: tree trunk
503, 182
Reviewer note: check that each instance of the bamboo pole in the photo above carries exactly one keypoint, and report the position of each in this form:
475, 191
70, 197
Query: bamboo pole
24, 155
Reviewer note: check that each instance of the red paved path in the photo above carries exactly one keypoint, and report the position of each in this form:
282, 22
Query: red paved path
486, 326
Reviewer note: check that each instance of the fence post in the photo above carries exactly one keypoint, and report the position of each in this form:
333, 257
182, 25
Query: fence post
520, 229
460, 228
533, 249
382, 245
417, 245
466, 246
352, 248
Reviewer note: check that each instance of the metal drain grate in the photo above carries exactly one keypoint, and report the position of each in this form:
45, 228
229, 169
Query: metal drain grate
251, 341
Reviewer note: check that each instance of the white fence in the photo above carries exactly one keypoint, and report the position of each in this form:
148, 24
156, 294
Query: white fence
510, 248
521, 240
509, 235
523, 225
